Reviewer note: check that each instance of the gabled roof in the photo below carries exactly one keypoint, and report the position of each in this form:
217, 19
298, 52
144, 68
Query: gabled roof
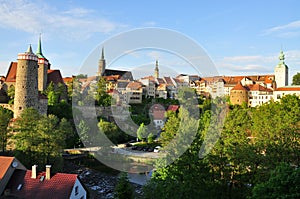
173, 108
258, 87
5, 163
240, 87
158, 112
12, 72
134, 85
122, 84
60, 185
55, 77
168, 81
67, 79
162, 87
160, 81
125, 75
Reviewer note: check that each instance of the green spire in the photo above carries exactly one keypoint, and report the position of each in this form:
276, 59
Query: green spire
281, 57
29, 50
281, 63
39, 49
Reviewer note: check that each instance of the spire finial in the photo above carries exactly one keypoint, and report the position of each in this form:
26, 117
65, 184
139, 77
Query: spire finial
29, 50
102, 53
39, 52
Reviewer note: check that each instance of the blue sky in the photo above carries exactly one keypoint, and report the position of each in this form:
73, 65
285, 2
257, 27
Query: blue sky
240, 37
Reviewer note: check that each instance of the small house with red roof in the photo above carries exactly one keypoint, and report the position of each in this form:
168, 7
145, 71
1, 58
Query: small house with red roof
157, 113
18, 182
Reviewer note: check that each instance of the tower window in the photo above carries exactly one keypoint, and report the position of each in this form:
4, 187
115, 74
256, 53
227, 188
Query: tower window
20, 108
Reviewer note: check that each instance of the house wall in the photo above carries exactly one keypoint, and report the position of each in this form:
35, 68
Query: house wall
79, 192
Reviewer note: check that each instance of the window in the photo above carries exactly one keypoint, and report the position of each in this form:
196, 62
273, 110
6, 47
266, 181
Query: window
82, 197
76, 190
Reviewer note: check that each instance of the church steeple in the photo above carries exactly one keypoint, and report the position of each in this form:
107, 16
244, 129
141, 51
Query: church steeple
39, 49
281, 71
101, 64
156, 70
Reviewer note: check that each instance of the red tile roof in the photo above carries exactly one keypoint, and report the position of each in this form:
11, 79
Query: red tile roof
158, 112
12, 72
173, 108
5, 163
258, 87
55, 77
240, 87
68, 79
134, 85
288, 88
59, 186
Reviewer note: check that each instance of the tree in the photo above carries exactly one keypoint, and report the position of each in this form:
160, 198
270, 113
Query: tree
5, 116
283, 183
40, 139
170, 129
111, 131
142, 132
51, 94
296, 79
101, 96
124, 189
11, 94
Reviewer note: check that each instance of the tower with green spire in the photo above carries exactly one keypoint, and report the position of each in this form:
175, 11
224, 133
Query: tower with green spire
156, 70
101, 64
281, 72
44, 65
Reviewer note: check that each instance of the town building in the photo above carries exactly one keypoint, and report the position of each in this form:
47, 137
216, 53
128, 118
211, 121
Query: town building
18, 182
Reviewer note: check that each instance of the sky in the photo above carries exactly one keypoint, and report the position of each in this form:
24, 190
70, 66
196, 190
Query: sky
240, 37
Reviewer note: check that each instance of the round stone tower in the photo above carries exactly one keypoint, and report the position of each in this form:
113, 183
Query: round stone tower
26, 90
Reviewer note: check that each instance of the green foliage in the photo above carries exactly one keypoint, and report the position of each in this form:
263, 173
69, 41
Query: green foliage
110, 130
296, 79
101, 96
5, 116
150, 138
40, 139
61, 110
170, 129
283, 183
123, 189
55, 93
81, 76
254, 141
11, 94
142, 132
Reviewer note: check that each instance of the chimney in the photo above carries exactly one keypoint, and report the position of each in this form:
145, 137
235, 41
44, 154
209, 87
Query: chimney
33, 171
48, 172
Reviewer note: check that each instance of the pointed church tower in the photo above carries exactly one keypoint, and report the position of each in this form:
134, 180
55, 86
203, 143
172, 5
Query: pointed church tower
281, 72
156, 70
101, 64
44, 65
26, 90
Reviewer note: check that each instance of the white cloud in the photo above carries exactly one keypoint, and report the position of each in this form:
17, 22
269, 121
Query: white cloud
33, 18
291, 29
150, 24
